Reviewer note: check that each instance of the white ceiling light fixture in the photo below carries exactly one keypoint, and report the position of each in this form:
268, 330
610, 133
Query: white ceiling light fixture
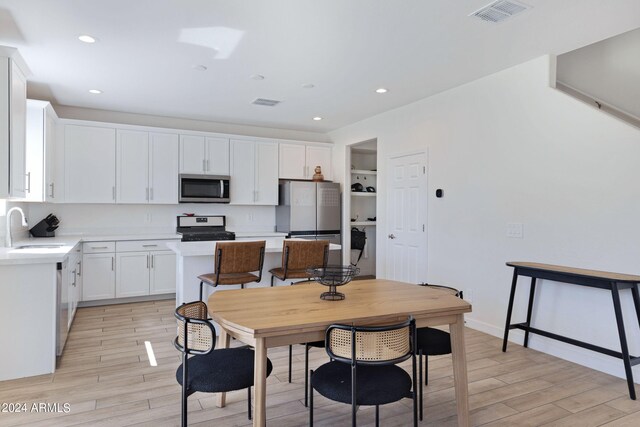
500, 10
199, 67
382, 90
85, 38
257, 77
317, 118
95, 91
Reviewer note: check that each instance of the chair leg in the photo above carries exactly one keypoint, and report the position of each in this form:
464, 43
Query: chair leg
377, 415
306, 372
184, 390
249, 401
201, 291
310, 402
420, 382
426, 370
290, 360
272, 277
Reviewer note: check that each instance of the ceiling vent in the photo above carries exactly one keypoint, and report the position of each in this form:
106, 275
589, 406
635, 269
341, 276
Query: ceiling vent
498, 11
266, 102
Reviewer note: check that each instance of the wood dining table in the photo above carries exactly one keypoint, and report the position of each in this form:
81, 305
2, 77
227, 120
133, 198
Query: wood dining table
284, 315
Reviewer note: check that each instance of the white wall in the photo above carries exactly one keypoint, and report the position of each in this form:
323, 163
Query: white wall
134, 219
509, 148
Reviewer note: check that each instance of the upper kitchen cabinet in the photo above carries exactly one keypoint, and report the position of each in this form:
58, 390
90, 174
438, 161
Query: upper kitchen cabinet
147, 167
42, 125
13, 124
204, 155
254, 173
298, 161
90, 164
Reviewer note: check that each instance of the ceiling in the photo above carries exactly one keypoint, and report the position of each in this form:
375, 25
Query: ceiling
608, 71
146, 50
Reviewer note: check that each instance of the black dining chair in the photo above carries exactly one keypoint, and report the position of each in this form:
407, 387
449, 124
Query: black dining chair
203, 368
363, 369
433, 342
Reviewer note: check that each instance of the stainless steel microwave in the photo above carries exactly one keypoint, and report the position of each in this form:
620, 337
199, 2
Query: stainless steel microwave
203, 189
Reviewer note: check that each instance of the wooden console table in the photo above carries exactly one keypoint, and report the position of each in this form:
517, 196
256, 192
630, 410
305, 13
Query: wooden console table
613, 282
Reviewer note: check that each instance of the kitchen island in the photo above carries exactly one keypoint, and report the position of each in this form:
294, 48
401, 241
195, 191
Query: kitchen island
196, 258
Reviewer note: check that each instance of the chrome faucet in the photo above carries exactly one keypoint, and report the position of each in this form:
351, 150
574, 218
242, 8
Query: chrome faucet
24, 224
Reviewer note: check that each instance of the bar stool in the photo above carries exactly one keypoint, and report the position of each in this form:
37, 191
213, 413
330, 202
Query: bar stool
235, 264
298, 256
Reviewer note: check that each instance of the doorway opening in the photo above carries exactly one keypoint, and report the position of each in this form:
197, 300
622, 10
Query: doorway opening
363, 204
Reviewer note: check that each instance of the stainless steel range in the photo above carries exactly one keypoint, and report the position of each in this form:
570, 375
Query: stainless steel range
203, 228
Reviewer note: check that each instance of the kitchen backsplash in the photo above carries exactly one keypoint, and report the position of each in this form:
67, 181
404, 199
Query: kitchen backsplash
137, 219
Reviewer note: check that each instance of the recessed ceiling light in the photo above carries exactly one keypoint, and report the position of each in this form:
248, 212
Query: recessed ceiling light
381, 90
199, 68
308, 85
256, 77
95, 91
86, 38
317, 118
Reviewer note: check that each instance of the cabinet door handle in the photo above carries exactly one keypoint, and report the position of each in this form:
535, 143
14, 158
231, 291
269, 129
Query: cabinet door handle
74, 278
151, 193
147, 194
113, 192
113, 263
149, 246
152, 261
147, 261
204, 165
207, 165
28, 189
51, 185
79, 268
99, 247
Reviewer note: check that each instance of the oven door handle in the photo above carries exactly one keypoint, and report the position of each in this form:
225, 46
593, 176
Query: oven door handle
222, 195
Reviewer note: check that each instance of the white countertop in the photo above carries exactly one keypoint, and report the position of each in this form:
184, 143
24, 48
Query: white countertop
44, 255
273, 245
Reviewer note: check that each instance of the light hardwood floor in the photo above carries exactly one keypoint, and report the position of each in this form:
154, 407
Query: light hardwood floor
106, 378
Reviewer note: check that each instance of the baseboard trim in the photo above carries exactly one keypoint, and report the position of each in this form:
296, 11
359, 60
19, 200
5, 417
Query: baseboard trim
599, 362
112, 301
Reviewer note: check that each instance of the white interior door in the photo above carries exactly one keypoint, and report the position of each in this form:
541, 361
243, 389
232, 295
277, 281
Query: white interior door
407, 218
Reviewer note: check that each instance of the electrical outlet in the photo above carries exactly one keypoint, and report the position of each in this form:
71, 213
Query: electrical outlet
515, 230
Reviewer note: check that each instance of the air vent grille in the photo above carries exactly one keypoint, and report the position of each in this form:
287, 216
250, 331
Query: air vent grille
499, 11
266, 102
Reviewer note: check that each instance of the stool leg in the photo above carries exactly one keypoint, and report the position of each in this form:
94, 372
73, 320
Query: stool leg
310, 402
377, 415
623, 340
532, 291
272, 277
201, 291
514, 281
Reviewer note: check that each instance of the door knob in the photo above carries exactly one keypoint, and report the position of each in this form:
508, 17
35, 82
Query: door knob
391, 236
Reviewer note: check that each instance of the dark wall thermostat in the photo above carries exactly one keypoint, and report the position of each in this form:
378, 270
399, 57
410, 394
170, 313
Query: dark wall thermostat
439, 193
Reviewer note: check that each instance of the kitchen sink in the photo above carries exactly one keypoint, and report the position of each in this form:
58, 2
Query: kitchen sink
38, 247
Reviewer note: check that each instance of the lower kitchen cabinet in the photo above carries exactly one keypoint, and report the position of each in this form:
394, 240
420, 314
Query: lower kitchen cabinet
99, 276
163, 273
145, 273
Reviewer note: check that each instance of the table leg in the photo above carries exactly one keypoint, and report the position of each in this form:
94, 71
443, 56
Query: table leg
223, 342
532, 291
636, 301
509, 309
260, 384
623, 340
460, 370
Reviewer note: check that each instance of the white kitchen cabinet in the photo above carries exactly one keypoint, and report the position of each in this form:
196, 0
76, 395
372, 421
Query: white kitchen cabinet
147, 167
163, 273
163, 168
132, 274
204, 155
90, 164
298, 161
98, 274
13, 123
254, 173
42, 124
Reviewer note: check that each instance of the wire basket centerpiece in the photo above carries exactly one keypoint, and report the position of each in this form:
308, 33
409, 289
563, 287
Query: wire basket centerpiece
333, 276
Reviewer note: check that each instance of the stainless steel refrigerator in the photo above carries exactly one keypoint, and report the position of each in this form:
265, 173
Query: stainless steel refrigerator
311, 210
